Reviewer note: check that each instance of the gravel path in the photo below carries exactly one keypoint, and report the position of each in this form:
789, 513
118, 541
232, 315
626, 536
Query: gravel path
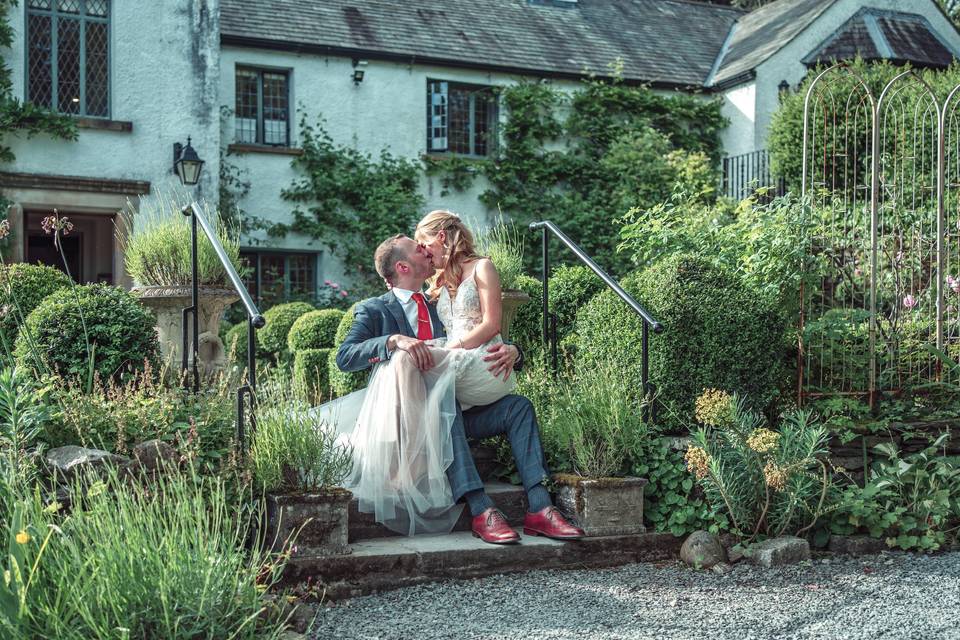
893, 595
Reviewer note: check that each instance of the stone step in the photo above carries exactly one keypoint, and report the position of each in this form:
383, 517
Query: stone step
510, 499
392, 562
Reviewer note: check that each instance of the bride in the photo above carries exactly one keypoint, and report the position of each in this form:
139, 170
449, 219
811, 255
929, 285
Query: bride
399, 426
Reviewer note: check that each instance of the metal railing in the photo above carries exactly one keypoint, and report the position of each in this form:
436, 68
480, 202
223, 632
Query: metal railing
745, 173
255, 320
550, 319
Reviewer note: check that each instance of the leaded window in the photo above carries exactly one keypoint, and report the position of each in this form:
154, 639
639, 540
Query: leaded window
279, 277
68, 56
263, 107
461, 118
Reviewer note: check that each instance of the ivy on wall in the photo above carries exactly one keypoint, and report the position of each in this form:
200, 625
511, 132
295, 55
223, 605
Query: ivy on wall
350, 201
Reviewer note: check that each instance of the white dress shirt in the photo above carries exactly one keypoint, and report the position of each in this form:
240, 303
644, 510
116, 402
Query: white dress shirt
405, 297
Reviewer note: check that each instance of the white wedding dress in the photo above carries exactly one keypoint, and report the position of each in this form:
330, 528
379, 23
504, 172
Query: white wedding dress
399, 426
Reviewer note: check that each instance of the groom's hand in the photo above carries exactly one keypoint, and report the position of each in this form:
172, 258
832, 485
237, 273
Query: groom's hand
416, 348
502, 358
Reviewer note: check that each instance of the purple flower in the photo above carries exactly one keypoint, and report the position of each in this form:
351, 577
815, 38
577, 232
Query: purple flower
344, 293
955, 286
55, 224
909, 301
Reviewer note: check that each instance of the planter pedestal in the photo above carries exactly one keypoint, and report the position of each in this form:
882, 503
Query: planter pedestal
167, 304
317, 521
602, 506
511, 301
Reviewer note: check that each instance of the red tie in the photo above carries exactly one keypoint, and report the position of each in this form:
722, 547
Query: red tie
424, 328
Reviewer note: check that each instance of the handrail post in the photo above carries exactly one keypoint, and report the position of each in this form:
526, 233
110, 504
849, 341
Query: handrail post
255, 320
546, 293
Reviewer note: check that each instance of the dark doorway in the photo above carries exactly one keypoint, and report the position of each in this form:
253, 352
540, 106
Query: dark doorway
88, 248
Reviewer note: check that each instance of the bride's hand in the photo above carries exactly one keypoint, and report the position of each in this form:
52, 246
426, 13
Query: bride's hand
503, 356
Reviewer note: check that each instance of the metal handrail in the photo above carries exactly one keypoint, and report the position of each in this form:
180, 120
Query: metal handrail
255, 319
550, 320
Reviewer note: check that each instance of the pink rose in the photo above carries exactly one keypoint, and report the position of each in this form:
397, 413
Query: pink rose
344, 293
334, 285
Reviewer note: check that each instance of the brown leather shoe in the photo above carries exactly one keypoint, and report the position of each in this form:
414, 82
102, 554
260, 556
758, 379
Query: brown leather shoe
492, 526
550, 523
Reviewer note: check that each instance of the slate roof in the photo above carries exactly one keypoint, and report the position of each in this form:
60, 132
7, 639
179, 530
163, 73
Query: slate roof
761, 33
874, 34
664, 42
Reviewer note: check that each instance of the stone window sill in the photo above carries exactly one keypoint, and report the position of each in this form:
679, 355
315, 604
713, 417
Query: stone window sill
257, 148
104, 124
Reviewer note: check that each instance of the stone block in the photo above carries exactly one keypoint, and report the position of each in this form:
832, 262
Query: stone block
780, 551
317, 522
702, 550
154, 455
604, 506
856, 545
67, 462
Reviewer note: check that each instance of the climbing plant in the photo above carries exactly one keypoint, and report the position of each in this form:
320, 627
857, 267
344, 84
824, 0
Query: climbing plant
350, 201
583, 159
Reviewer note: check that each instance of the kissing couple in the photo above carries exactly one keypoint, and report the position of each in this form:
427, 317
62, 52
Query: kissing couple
441, 374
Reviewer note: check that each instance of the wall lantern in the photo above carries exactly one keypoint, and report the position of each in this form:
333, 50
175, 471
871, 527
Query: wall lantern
186, 163
358, 70
783, 87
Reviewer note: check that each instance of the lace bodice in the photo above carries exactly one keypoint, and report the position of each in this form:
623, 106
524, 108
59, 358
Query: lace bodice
461, 313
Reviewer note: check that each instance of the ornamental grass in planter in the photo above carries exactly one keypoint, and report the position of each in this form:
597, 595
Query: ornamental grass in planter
298, 462
156, 247
503, 244
596, 422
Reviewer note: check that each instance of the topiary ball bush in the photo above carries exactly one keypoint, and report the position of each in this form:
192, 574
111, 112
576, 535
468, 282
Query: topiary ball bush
272, 338
718, 332
121, 331
235, 342
342, 382
571, 287
310, 372
22, 288
314, 330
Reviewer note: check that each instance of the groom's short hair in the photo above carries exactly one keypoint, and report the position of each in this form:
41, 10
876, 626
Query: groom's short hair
387, 255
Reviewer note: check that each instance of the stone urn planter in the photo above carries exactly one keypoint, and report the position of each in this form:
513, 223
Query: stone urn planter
317, 521
167, 304
602, 506
512, 299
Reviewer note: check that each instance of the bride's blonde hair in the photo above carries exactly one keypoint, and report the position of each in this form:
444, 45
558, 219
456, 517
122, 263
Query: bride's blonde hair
460, 248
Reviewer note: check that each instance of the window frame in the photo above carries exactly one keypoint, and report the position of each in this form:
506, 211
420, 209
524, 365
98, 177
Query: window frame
260, 130
286, 254
83, 18
493, 141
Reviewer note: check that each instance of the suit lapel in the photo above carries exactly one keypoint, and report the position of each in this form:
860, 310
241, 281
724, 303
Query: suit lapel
396, 310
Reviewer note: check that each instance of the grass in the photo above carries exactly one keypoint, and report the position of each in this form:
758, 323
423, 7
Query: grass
156, 245
503, 244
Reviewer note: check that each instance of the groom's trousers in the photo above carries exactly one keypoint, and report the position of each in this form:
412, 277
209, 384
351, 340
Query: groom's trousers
512, 415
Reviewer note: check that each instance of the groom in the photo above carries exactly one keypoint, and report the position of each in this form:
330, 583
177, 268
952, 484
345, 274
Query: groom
384, 325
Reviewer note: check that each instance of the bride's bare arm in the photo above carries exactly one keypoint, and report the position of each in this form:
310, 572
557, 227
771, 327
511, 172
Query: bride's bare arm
488, 286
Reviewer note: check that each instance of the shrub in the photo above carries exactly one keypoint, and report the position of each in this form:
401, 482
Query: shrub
910, 501
273, 336
527, 328
311, 373
290, 451
314, 330
343, 382
168, 562
157, 251
718, 332
115, 416
22, 288
235, 342
96, 320
768, 482
570, 288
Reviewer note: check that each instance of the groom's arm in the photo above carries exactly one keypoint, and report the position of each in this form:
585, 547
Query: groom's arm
364, 346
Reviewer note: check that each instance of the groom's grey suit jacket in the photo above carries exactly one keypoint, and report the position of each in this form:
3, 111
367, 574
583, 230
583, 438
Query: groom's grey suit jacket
374, 321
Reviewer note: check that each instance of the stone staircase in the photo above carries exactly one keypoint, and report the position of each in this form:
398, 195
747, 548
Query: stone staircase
381, 559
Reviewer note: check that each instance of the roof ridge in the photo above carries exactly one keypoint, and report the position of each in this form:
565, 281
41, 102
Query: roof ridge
712, 5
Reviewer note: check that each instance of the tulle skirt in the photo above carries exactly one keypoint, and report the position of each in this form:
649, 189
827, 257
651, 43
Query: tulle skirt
399, 429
